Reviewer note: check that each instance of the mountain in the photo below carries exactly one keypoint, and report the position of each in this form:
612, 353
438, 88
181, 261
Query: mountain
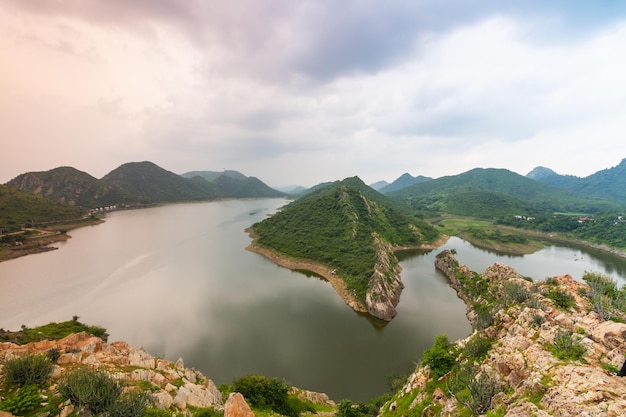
233, 184
149, 183
379, 184
493, 192
609, 184
403, 181
351, 231
213, 175
18, 208
547, 176
71, 186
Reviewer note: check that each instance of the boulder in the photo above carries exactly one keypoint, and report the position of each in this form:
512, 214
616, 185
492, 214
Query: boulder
236, 406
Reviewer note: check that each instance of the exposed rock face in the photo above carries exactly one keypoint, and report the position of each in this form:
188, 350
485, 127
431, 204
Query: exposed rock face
236, 406
521, 357
385, 286
176, 387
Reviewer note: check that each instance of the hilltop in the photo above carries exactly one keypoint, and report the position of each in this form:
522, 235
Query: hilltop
346, 232
538, 349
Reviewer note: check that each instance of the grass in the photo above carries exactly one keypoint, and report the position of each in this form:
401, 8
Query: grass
486, 235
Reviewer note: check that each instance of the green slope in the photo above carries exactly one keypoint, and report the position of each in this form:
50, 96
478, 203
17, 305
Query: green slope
149, 183
18, 208
69, 185
335, 226
495, 192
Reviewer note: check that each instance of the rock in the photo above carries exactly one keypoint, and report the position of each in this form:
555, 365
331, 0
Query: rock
198, 396
142, 359
5, 414
162, 400
236, 406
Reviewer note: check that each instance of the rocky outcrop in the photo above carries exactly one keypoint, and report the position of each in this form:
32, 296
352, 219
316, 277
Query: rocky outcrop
236, 406
173, 386
385, 285
523, 359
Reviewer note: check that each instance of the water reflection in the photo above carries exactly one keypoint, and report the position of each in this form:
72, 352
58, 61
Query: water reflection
177, 281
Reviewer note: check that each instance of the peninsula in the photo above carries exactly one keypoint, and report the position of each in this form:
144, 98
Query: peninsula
347, 233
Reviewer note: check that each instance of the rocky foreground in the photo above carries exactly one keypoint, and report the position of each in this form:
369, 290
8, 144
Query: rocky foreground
171, 385
520, 374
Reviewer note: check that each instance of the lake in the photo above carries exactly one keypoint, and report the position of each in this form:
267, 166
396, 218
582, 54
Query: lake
177, 281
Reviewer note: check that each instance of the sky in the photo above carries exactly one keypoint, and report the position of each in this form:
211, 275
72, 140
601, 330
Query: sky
298, 92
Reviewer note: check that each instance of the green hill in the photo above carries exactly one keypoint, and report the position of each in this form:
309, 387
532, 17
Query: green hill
69, 185
19, 208
495, 192
608, 184
149, 183
351, 229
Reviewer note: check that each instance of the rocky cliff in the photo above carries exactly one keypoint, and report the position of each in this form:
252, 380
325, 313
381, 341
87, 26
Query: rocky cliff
538, 349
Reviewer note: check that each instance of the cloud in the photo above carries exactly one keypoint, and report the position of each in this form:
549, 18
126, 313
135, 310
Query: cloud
324, 89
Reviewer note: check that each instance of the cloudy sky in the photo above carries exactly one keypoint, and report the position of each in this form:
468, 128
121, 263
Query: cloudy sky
305, 91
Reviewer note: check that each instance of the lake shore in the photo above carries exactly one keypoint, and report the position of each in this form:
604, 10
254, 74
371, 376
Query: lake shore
41, 242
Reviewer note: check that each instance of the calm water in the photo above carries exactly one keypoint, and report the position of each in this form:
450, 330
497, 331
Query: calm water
177, 281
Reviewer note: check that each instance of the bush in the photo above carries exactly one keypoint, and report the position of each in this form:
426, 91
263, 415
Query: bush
100, 394
265, 393
561, 298
514, 292
26, 399
566, 347
28, 370
474, 392
477, 347
439, 358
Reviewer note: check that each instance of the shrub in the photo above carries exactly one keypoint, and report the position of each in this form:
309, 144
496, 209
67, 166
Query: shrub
53, 354
538, 319
477, 347
25, 400
514, 292
484, 318
474, 392
92, 389
28, 370
561, 298
567, 347
439, 358
130, 404
265, 393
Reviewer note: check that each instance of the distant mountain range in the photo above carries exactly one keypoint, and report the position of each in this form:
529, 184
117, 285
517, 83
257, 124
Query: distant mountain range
139, 183
494, 192
609, 184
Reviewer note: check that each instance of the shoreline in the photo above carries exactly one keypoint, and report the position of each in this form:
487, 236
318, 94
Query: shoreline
324, 271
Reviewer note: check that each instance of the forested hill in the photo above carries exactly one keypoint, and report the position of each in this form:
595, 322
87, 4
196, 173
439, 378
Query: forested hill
352, 229
609, 184
495, 192
138, 183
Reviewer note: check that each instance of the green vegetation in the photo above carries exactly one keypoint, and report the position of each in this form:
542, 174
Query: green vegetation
335, 226
20, 209
567, 347
51, 331
28, 370
440, 358
607, 299
98, 392
22, 401
264, 393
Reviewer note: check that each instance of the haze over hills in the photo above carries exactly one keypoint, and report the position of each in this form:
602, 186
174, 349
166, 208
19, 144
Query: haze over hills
405, 180
233, 184
351, 229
